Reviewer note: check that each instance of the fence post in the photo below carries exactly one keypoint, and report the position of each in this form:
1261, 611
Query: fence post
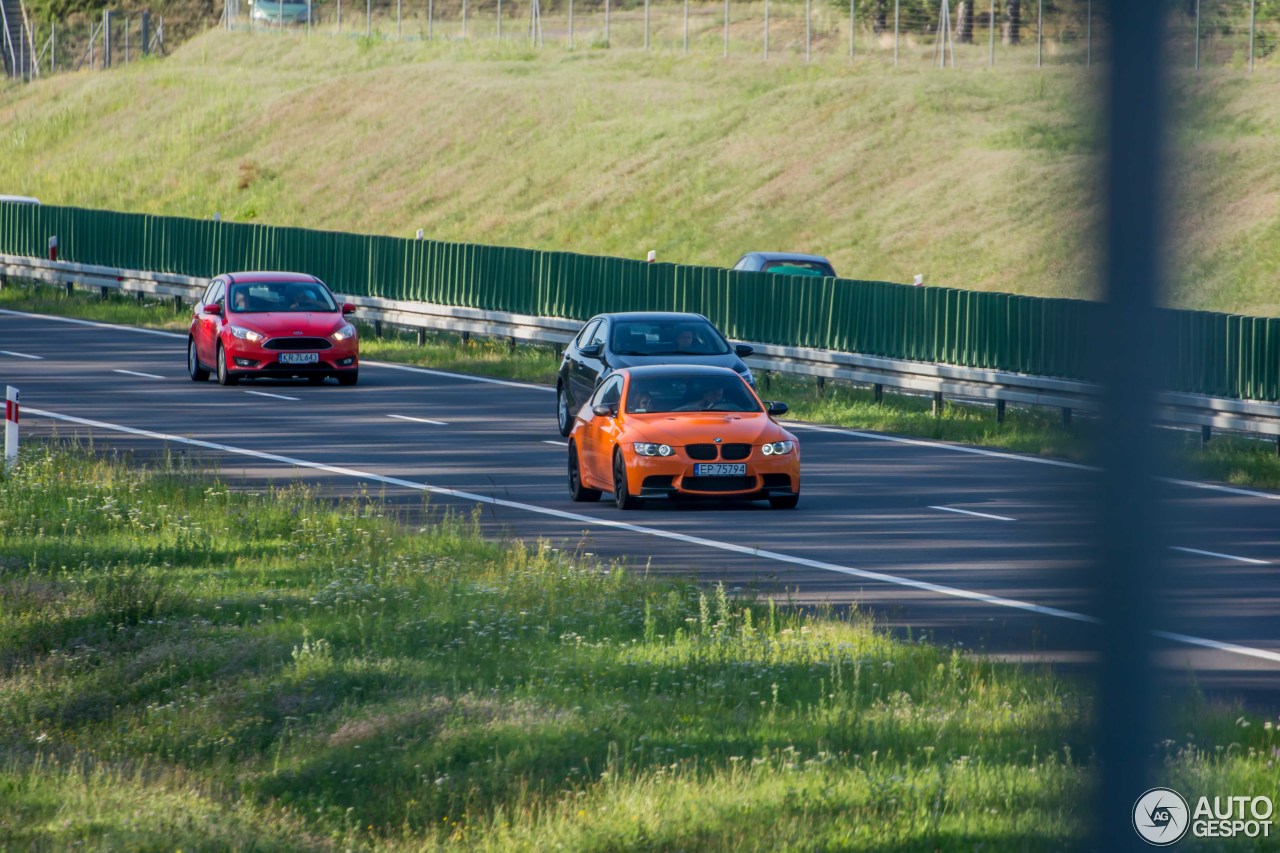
10, 426
106, 38
146, 33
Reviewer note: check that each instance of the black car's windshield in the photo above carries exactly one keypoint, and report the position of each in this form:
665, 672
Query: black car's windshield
797, 267
679, 393
260, 297
666, 337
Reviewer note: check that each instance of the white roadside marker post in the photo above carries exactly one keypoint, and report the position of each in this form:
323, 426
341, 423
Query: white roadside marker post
10, 426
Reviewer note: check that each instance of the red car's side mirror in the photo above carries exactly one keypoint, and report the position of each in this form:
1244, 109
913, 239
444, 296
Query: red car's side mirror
212, 308
348, 308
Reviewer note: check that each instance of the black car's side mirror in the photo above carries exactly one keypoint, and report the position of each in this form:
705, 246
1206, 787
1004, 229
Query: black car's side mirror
742, 350
604, 411
591, 351
778, 408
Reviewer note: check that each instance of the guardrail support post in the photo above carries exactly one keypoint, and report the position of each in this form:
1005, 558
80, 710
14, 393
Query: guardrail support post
177, 303
104, 294
937, 404
69, 287
422, 337
466, 337
1066, 417
822, 385
1206, 433
511, 343
877, 392
10, 426
1000, 404
377, 328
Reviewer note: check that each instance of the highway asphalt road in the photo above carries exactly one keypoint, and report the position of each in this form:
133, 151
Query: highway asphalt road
962, 545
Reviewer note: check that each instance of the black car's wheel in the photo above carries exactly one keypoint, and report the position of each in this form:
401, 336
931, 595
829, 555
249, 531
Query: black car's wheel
198, 373
577, 491
225, 376
349, 378
563, 414
784, 501
621, 496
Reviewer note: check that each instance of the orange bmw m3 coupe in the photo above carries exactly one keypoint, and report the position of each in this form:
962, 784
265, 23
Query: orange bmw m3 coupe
681, 431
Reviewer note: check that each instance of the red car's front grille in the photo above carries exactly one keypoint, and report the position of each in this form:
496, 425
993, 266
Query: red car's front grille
299, 343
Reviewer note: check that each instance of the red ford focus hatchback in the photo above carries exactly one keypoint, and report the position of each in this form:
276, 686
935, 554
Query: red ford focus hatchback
279, 324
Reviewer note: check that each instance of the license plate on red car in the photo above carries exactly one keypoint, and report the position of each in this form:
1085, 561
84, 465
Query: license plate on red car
720, 469
299, 357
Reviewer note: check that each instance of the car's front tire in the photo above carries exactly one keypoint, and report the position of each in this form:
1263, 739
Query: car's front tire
197, 373
621, 493
578, 492
225, 376
349, 378
563, 415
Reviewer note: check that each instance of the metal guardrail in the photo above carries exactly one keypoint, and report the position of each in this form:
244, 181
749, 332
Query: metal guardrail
938, 380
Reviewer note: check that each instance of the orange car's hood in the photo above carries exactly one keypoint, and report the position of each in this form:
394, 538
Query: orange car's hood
683, 428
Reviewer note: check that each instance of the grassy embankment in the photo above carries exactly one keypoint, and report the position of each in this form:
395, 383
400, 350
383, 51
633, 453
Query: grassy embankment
187, 666
1238, 460
976, 178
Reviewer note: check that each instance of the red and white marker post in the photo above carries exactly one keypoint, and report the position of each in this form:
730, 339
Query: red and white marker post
10, 426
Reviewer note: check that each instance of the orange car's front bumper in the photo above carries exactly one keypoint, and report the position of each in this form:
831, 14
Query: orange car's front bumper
674, 476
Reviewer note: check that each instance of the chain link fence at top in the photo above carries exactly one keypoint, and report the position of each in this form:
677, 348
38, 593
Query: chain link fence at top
912, 33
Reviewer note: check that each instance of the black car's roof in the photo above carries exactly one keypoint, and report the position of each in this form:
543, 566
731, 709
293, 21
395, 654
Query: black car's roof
788, 256
653, 316
649, 371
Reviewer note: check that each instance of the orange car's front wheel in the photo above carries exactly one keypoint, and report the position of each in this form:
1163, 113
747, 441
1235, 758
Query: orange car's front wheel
621, 494
577, 491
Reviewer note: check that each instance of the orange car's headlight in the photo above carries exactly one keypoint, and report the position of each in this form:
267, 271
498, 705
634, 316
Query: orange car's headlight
644, 448
778, 448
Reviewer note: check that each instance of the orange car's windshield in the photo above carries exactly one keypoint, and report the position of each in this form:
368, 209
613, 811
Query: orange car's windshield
260, 297
690, 394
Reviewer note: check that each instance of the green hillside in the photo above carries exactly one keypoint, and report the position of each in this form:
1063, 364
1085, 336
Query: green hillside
975, 178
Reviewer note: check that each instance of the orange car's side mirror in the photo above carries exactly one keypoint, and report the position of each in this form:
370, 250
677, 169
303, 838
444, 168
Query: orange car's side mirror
604, 411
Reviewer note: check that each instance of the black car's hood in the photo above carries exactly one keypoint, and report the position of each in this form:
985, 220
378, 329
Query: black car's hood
729, 360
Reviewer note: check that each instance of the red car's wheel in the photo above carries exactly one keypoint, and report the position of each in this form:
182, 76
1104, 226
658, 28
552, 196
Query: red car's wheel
198, 373
225, 376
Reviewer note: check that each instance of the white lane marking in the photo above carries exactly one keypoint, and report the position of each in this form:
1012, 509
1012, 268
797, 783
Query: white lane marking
276, 396
136, 373
21, 355
954, 592
1220, 556
417, 420
1231, 490
968, 512
95, 325
957, 448
1038, 460
556, 443
412, 369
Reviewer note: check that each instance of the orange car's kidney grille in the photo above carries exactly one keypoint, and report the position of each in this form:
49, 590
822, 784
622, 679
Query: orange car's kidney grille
718, 484
701, 451
735, 451
297, 344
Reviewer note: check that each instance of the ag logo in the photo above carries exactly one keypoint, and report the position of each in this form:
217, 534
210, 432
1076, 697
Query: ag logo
1160, 817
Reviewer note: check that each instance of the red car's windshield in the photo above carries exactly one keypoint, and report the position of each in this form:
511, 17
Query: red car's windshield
260, 297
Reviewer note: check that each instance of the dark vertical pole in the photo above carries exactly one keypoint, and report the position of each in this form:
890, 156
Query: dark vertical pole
106, 38
1128, 504
146, 33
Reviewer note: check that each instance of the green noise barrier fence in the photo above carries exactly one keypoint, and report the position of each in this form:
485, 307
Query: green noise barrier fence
1216, 354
